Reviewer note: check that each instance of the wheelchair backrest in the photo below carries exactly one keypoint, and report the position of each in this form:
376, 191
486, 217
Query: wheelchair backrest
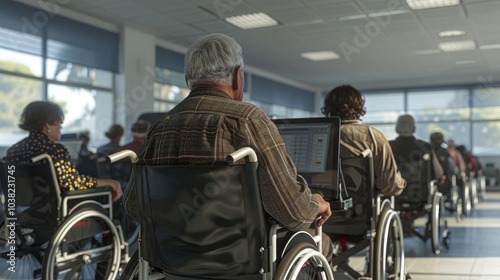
417, 174
358, 176
202, 221
29, 188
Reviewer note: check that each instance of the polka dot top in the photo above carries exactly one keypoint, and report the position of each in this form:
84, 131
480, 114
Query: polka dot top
38, 143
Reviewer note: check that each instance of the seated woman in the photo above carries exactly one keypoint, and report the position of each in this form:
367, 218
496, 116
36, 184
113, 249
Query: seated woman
43, 119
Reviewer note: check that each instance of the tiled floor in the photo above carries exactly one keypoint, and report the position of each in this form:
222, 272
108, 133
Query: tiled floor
474, 252
474, 249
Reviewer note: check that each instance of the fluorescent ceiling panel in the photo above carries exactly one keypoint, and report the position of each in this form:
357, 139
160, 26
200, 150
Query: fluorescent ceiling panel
451, 33
428, 4
250, 21
464, 45
321, 55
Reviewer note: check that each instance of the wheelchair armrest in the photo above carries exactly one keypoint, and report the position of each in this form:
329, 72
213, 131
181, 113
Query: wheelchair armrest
97, 190
100, 195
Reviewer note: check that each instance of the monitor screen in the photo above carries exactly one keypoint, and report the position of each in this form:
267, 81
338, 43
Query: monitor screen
314, 146
73, 146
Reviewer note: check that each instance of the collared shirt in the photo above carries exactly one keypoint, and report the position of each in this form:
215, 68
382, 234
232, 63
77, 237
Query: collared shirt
355, 137
207, 126
38, 143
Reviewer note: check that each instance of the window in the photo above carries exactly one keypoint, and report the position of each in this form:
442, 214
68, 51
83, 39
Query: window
383, 107
486, 135
80, 61
15, 94
20, 52
439, 105
74, 73
486, 104
81, 111
389, 130
458, 131
169, 90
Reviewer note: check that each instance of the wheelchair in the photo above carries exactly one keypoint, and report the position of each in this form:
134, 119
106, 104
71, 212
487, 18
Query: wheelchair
420, 199
481, 184
68, 235
464, 186
207, 222
371, 223
453, 197
476, 186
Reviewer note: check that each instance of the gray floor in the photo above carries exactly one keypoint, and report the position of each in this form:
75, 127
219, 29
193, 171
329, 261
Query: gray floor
474, 251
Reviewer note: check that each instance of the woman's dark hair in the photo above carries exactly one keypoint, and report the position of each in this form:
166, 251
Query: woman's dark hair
38, 113
344, 102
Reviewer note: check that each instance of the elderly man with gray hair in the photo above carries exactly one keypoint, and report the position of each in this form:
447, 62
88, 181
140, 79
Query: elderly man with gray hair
212, 121
408, 152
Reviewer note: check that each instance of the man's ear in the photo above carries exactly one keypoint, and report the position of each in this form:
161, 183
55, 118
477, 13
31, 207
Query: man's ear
236, 81
186, 79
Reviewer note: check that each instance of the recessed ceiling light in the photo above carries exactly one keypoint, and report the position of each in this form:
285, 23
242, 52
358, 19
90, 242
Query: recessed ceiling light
464, 45
388, 13
427, 4
374, 14
489, 47
353, 17
250, 21
463, 62
322, 55
451, 33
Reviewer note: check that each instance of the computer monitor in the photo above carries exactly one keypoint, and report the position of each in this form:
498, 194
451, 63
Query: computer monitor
73, 146
314, 146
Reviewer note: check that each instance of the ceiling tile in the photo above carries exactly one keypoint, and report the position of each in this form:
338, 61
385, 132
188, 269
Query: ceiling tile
274, 5
181, 31
214, 26
388, 60
166, 5
295, 17
336, 10
454, 12
189, 15
128, 9
157, 21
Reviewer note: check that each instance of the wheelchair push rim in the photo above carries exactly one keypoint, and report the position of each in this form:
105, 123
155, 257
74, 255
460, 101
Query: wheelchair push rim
86, 245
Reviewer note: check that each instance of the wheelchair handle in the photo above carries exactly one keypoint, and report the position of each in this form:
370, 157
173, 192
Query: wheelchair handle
121, 155
367, 153
241, 153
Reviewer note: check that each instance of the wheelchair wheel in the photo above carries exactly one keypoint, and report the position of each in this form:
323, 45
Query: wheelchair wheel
131, 271
473, 192
388, 260
85, 246
439, 230
456, 203
303, 261
481, 181
466, 199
